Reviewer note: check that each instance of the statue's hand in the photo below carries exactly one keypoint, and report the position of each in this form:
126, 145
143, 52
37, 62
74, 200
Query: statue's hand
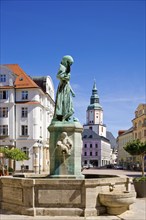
73, 94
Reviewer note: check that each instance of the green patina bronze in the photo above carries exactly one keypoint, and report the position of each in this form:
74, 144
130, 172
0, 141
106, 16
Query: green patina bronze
65, 134
63, 105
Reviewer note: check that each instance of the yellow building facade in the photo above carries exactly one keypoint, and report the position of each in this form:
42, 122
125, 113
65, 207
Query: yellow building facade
139, 123
138, 131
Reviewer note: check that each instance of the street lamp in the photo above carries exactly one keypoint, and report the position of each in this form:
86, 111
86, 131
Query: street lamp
39, 146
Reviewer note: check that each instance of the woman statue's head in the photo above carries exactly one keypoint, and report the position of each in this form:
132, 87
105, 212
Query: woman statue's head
67, 59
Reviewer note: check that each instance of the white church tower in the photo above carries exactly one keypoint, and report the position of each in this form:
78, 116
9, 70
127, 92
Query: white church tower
94, 114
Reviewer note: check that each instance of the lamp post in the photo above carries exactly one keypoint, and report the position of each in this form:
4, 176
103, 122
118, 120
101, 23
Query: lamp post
39, 146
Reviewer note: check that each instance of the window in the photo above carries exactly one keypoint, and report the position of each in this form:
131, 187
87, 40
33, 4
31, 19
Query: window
3, 130
25, 150
3, 94
85, 145
96, 145
96, 153
90, 145
2, 78
24, 130
4, 112
91, 153
85, 154
24, 94
24, 167
24, 112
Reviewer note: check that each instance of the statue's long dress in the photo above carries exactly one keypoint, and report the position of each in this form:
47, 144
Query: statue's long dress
63, 105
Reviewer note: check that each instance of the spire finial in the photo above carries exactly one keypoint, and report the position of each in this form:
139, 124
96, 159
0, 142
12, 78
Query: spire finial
94, 85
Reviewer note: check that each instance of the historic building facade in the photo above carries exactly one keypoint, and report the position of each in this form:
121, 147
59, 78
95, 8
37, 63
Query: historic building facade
96, 146
26, 110
139, 123
137, 131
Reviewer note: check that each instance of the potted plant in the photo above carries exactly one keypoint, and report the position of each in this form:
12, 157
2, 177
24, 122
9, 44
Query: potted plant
138, 148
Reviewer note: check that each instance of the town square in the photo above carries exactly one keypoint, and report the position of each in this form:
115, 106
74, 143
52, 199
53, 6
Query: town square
72, 110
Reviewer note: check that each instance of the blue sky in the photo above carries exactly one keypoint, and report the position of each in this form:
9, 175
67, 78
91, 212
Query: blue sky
105, 38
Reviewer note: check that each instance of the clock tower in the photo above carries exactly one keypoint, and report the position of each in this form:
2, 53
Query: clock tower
94, 114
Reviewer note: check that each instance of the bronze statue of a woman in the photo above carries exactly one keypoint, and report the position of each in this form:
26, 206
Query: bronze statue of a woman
63, 104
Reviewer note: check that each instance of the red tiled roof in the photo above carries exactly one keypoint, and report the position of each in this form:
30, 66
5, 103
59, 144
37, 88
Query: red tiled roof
23, 80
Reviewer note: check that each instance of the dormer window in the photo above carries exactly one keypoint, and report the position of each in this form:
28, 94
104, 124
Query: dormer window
24, 95
2, 78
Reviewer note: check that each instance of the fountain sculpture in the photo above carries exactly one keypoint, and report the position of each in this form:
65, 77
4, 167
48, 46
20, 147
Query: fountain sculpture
65, 192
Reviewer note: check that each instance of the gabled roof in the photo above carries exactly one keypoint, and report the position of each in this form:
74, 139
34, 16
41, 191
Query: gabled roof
89, 134
130, 130
22, 80
41, 82
112, 139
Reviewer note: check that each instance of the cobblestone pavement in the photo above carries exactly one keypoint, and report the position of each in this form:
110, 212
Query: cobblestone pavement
112, 172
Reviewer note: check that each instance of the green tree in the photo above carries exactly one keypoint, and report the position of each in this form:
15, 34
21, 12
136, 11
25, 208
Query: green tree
14, 154
137, 148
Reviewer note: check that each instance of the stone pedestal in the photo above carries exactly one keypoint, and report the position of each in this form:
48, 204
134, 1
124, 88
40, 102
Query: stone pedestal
65, 164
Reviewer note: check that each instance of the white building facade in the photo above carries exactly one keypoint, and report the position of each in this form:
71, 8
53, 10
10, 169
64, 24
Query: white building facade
26, 110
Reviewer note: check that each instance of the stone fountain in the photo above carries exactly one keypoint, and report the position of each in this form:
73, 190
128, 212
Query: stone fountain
65, 192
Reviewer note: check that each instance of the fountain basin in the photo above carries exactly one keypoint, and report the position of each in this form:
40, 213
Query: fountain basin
117, 202
57, 197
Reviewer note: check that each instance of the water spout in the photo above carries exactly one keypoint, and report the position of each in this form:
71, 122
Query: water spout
111, 187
